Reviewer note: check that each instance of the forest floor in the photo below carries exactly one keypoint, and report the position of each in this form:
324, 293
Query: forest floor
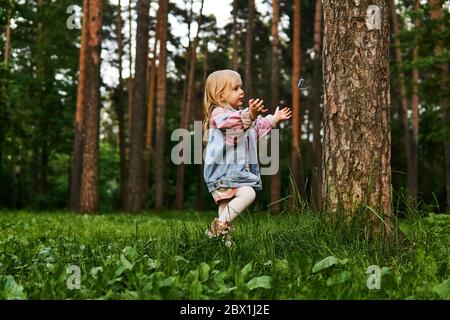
167, 256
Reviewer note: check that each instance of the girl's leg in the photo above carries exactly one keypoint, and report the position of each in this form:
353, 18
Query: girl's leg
222, 206
243, 198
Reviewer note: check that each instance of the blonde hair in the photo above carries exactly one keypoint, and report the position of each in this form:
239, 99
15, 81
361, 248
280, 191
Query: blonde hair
218, 83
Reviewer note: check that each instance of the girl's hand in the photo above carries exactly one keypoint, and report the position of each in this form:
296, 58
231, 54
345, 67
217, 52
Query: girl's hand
255, 108
282, 114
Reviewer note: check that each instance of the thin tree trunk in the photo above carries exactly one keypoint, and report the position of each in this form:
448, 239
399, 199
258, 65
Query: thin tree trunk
436, 15
415, 112
180, 168
296, 187
120, 111
137, 143
404, 103
130, 59
357, 139
248, 85
188, 58
316, 110
275, 183
89, 177
44, 161
39, 96
161, 108
34, 171
8, 37
148, 153
187, 109
234, 63
199, 204
77, 154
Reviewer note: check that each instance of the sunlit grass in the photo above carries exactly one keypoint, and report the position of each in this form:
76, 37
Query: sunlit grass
167, 256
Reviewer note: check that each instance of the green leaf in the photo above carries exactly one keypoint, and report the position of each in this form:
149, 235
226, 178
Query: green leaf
246, 270
180, 258
215, 263
125, 263
94, 272
443, 289
406, 229
328, 262
130, 252
12, 290
282, 266
196, 289
166, 282
152, 264
203, 271
260, 282
339, 278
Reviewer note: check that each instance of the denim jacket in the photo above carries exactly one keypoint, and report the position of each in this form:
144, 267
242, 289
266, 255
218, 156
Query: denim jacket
231, 159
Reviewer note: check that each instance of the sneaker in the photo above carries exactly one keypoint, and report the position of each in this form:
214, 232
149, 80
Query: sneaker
219, 228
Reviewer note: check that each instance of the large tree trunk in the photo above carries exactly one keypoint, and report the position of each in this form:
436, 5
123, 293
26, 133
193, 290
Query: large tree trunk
120, 111
357, 140
248, 84
136, 167
436, 15
403, 102
77, 155
415, 112
316, 110
275, 183
296, 186
161, 108
89, 177
234, 60
187, 109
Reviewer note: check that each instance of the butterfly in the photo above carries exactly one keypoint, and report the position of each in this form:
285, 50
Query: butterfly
301, 84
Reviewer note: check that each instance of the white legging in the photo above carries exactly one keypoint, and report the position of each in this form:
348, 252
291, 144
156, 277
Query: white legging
230, 209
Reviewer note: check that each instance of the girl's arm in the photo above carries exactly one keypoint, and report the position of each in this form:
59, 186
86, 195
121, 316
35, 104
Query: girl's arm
235, 120
263, 125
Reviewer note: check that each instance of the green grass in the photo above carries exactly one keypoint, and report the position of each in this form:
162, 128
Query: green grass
167, 256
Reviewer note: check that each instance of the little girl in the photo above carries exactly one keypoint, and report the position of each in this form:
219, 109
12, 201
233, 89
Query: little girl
231, 169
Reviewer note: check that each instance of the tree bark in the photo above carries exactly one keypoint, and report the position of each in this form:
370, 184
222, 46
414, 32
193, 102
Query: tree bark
137, 143
120, 111
148, 153
130, 58
316, 110
8, 37
436, 15
161, 108
275, 183
296, 186
77, 154
248, 85
187, 109
357, 139
89, 177
234, 61
201, 186
415, 112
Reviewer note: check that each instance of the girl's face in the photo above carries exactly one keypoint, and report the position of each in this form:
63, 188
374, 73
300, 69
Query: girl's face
235, 96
